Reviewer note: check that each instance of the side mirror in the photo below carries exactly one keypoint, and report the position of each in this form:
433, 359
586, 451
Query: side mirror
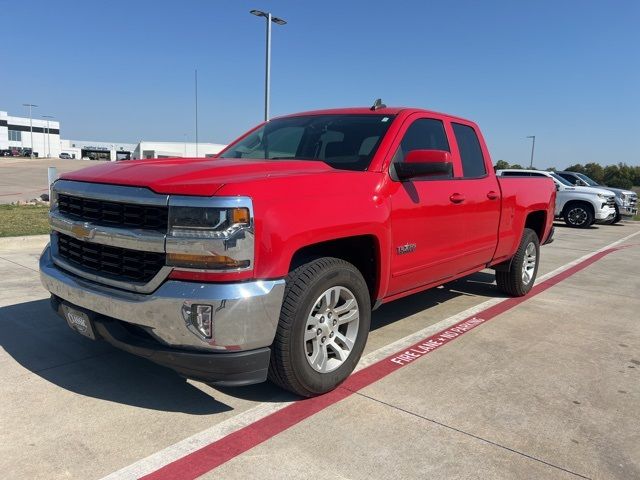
424, 163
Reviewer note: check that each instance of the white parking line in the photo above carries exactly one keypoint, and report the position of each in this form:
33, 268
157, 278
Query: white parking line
220, 430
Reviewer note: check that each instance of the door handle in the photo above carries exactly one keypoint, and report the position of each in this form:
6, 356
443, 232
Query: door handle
492, 195
457, 198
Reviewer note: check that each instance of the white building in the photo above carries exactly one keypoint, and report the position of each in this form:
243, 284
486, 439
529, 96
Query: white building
175, 149
16, 132
96, 150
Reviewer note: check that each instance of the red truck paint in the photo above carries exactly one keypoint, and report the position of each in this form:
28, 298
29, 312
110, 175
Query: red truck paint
459, 226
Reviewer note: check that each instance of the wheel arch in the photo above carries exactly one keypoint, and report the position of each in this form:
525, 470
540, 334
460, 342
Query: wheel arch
363, 251
537, 221
575, 202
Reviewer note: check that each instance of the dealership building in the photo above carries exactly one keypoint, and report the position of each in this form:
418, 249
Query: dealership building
43, 136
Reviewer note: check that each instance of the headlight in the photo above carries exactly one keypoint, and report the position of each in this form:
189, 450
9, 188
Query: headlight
203, 222
214, 234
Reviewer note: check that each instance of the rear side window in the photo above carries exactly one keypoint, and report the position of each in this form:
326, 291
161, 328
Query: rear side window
470, 152
423, 134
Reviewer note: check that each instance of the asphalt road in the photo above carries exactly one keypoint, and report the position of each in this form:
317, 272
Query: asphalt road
457, 382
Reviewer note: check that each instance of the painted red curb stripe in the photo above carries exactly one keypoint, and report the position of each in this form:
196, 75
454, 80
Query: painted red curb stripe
221, 451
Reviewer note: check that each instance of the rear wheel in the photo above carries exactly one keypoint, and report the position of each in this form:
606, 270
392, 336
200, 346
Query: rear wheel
579, 215
518, 280
323, 328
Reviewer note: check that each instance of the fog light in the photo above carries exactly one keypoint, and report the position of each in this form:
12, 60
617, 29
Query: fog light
200, 317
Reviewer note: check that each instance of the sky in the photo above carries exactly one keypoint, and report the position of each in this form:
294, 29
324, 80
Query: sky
565, 71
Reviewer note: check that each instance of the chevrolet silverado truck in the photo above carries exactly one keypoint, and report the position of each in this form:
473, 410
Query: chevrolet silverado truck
626, 200
267, 261
579, 207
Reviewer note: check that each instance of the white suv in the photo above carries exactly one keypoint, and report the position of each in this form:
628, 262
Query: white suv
580, 207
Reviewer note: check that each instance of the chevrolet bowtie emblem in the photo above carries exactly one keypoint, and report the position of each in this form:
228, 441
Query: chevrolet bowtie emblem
81, 231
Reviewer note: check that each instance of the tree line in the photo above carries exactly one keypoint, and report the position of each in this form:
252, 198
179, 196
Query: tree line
617, 176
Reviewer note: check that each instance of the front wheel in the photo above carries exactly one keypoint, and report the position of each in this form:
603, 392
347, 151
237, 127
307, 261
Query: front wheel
324, 325
518, 280
578, 216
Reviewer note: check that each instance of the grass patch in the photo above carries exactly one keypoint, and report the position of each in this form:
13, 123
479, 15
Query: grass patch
18, 220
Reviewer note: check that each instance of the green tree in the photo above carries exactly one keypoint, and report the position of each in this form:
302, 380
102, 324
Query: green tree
501, 165
594, 171
516, 165
576, 168
552, 169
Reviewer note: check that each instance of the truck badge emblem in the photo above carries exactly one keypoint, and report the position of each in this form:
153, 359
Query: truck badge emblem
81, 231
408, 248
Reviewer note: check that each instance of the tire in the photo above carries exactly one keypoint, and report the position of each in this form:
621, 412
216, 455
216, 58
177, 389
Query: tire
304, 337
617, 218
578, 215
514, 281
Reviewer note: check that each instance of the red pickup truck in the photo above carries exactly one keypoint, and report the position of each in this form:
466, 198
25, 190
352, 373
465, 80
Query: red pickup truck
267, 261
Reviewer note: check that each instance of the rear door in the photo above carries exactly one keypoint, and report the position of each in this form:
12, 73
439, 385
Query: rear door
478, 196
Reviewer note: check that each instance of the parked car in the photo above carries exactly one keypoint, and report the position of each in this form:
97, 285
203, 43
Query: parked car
6, 152
64, 156
626, 200
579, 207
268, 260
26, 152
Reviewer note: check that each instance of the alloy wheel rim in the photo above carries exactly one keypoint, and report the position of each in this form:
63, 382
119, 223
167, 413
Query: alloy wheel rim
331, 329
529, 263
577, 216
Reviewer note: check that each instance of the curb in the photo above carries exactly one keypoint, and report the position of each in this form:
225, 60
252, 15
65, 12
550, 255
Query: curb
18, 243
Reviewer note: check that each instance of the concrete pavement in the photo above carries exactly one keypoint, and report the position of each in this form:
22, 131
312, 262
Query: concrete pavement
24, 178
547, 389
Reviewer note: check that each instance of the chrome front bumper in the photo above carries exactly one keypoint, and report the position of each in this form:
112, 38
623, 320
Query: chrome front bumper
628, 212
246, 314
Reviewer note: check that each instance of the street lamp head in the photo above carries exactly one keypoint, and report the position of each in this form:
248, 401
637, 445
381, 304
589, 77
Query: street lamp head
260, 13
531, 136
29, 105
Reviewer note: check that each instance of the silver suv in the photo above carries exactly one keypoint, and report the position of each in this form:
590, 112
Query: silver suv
579, 207
626, 200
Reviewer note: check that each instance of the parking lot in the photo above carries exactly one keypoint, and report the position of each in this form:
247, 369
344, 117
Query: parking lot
24, 178
457, 382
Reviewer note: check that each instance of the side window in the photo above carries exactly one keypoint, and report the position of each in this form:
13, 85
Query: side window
569, 178
470, 152
423, 134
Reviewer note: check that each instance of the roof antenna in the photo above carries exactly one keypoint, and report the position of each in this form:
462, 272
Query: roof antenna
377, 105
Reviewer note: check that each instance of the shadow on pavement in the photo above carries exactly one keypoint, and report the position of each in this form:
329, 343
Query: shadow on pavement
478, 284
41, 342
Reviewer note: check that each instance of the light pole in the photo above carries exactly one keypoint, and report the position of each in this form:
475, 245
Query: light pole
30, 105
267, 80
533, 147
48, 117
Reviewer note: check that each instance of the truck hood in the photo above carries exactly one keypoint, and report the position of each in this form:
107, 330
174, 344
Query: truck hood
617, 191
589, 190
194, 176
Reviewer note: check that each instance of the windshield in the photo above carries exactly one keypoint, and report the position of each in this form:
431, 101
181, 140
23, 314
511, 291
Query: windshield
588, 181
561, 180
347, 142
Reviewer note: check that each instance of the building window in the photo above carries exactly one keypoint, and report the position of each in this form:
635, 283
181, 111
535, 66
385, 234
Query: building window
15, 136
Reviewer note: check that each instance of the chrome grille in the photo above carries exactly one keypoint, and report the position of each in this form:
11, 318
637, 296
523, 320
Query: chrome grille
118, 263
633, 200
611, 201
146, 217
